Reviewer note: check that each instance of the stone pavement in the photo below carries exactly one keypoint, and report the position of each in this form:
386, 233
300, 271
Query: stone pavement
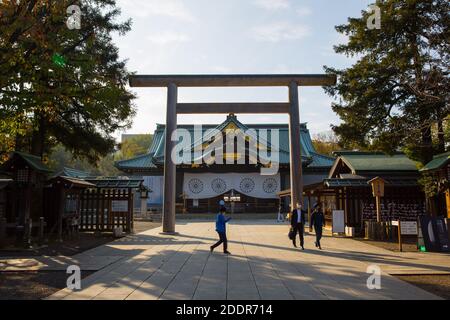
263, 265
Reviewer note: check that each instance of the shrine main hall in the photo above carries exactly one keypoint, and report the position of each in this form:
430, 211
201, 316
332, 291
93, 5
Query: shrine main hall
200, 187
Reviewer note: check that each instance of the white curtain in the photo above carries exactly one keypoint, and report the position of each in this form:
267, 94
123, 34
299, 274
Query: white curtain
209, 185
156, 184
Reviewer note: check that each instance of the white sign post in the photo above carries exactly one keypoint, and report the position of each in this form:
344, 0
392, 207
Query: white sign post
406, 228
409, 228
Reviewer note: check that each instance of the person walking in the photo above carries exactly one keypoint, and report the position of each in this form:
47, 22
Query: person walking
221, 230
318, 221
298, 225
280, 217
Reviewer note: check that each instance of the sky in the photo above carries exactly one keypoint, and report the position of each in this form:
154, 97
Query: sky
234, 37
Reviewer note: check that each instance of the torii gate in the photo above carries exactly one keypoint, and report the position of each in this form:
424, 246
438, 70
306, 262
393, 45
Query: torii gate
172, 82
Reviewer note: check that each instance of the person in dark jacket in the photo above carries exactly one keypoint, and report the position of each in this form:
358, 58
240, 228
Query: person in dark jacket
222, 231
318, 221
298, 225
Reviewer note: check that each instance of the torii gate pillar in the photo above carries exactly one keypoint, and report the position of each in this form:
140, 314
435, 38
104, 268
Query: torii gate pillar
168, 218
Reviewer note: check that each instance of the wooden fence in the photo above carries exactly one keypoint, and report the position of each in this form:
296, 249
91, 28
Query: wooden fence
106, 209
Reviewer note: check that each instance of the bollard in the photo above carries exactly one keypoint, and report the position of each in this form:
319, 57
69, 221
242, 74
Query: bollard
41, 231
19, 236
27, 233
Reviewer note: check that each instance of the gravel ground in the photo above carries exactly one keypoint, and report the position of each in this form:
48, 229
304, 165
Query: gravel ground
409, 245
85, 241
32, 285
38, 285
436, 284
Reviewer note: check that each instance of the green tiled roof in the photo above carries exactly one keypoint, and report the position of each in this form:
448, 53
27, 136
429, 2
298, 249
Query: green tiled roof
72, 173
438, 162
33, 161
374, 161
141, 162
320, 160
71, 181
339, 183
116, 183
155, 155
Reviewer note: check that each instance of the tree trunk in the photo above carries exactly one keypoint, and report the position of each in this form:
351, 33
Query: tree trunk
426, 152
38, 136
18, 144
441, 137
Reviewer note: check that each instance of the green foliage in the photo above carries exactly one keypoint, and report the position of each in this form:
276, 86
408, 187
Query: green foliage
134, 146
429, 185
398, 89
60, 158
104, 166
80, 100
432, 186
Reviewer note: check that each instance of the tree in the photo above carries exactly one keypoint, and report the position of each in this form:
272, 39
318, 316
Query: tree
397, 92
134, 146
131, 147
62, 85
60, 158
326, 143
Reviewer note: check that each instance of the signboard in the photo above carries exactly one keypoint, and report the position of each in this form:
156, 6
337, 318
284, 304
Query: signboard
338, 221
119, 206
408, 228
377, 186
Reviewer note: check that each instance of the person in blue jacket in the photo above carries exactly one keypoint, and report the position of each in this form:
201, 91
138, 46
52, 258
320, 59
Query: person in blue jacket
221, 230
318, 221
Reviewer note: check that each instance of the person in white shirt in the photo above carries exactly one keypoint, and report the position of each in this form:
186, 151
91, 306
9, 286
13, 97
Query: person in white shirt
280, 217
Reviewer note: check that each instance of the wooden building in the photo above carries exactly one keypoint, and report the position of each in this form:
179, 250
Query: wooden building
24, 194
200, 187
347, 188
439, 171
67, 201
110, 203
5, 181
63, 198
